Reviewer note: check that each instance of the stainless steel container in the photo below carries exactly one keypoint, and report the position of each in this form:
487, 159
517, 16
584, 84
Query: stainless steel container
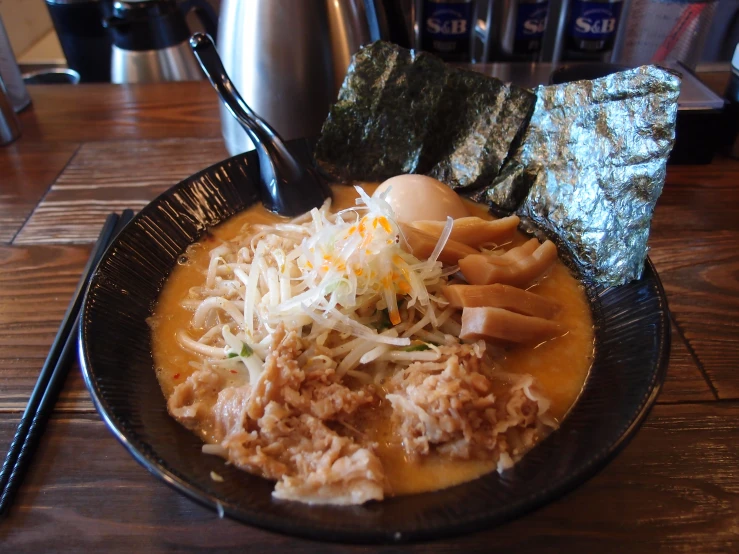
52, 76
9, 128
10, 73
150, 40
173, 63
288, 59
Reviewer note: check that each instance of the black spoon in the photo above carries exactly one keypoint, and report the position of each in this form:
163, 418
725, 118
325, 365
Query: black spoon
289, 185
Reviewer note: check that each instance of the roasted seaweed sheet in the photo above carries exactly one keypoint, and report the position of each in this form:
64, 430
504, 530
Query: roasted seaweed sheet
401, 111
385, 107
591, 167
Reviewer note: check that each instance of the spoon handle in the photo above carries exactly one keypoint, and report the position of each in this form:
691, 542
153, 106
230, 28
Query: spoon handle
259, 131
288, 184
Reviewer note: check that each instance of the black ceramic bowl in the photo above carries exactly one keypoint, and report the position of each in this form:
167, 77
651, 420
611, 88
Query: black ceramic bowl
632, 347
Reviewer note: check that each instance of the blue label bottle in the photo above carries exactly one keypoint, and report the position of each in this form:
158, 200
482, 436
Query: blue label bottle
591, 29
523, 25
446, 28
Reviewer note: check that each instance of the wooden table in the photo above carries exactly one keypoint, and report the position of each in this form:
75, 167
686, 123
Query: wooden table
91, 149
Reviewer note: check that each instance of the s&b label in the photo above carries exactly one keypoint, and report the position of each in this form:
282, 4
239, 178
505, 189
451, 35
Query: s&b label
531, 21
594, 20
448, 20
446, 29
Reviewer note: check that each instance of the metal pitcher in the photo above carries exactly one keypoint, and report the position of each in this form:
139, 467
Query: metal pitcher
150, 40
288, 58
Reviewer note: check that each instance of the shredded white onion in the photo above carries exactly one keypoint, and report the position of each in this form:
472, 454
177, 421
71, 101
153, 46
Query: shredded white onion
443, 238
343, 280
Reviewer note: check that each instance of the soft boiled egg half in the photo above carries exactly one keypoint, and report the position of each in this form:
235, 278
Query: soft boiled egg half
417, 198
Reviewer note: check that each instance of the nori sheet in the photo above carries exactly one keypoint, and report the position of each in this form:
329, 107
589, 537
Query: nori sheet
477, 120
386, 104
401, 111
594, 158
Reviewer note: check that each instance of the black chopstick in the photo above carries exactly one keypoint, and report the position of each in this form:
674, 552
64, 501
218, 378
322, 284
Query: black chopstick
53, 373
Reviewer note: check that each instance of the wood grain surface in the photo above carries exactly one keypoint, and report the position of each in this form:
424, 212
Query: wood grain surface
104, 112
684, 382
700, 271
91, 149
36, 284
27, 170
112, 176
698, 201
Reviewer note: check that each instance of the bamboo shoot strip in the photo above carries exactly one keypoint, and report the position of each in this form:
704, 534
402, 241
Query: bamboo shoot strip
501, 296
474, 231
495, 323
522, 269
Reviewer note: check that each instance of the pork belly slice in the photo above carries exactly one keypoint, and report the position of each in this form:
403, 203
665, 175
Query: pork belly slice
315, 392
191, 402
311, 462
499, 324
277, 428
457, 412
474, 231
501, 296
519, 267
